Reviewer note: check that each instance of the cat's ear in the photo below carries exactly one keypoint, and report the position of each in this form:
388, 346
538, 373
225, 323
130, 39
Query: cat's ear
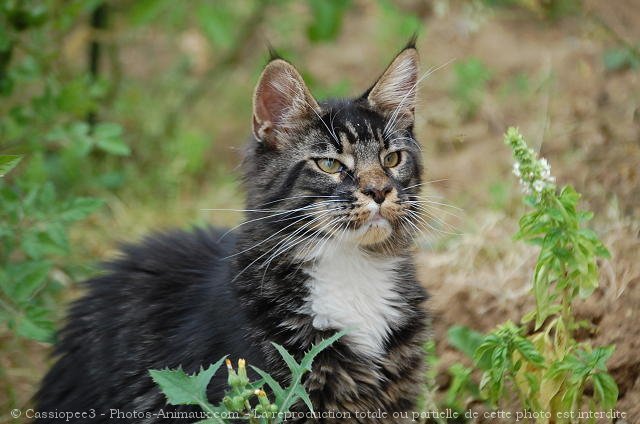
394, 94
280, 101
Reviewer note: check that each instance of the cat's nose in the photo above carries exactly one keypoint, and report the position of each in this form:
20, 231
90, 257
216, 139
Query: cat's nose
378, 194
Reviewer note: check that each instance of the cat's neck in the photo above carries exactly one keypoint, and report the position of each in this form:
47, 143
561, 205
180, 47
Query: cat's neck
339, 286
355, 290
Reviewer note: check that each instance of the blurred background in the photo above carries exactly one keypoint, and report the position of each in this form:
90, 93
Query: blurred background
130, 117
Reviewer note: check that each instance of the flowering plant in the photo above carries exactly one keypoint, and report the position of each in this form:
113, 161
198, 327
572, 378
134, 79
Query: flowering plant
544, 365
535, 174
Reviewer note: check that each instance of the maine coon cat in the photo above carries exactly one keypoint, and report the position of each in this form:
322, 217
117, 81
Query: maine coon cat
332, 211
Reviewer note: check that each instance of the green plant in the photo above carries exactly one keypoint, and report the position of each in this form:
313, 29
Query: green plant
327, 18
8, 162
45, 118
548, 369
620, 58
244, 399
427, 402
33, 244
471, 77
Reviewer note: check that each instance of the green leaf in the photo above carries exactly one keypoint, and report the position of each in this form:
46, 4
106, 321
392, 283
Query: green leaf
600, 356
27, 278
528, 351
8, 162
606, 390
109, 138
316, 349
31, 330
35, 324
79, 208
620, 58
327, 18
217, 23
288, 359
302, 393
182, 389
276, 389
40, 243
293, 393
461, 379
142, 12
464, 339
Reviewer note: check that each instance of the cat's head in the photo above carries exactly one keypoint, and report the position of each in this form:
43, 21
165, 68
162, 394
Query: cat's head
347, 169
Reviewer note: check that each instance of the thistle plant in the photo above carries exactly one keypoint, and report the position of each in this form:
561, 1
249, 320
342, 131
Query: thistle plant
543, 364
244, 399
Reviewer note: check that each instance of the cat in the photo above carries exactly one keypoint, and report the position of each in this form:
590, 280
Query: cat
331, 216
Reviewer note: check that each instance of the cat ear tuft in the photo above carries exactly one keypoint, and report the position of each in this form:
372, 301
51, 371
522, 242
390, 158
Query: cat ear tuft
281, 100
394, 94
273, 53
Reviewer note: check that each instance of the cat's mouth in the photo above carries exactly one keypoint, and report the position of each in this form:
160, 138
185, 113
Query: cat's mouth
375, 228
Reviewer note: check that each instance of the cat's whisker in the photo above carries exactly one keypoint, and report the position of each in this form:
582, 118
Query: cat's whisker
332, 226
423, 221
409, 231
329, 234
398, 130
244, 210
453, 231
412, 224
306, 214
267, 239
432, 202
424, 229
410, 139
430, 207
290, 242
426, 183
303, 229
433, 215
404, 135
299, 197
332, 115
300, 239
284, 212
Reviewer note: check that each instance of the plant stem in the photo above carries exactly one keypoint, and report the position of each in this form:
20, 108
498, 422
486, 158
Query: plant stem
566, 313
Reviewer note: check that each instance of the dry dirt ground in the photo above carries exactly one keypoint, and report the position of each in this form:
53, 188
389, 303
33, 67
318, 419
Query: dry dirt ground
584, 119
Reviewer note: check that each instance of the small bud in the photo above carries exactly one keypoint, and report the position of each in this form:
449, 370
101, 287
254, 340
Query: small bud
233, 380
243, 379
263, 399
238, 403
227, 402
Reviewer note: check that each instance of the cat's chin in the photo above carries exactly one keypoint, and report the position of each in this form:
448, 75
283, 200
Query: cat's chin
373, 232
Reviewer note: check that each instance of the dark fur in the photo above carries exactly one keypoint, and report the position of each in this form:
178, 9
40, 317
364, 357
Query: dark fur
189, 298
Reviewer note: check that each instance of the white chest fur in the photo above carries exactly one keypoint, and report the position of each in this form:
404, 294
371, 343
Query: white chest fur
351, 290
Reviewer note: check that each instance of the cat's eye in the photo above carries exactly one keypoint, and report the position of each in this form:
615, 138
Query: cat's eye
330, 166
391, 160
